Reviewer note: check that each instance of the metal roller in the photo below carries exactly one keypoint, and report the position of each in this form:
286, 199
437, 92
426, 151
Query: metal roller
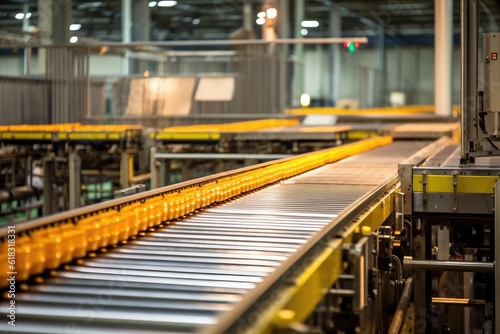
193, 274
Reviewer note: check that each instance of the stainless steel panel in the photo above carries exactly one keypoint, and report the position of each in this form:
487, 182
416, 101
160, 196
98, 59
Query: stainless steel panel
444, 203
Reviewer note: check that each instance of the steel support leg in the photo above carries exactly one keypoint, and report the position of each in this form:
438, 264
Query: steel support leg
126, 169
48, 186
496, 243
75, 186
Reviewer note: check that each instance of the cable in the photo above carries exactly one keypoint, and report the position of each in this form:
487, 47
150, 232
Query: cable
400, 269
494, 146
483, 128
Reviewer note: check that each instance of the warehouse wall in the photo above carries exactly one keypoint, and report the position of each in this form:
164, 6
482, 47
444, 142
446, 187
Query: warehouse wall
100, 65
409, 69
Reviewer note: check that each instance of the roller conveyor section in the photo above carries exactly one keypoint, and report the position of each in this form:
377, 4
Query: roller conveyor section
213, 132
71, 133
205, 272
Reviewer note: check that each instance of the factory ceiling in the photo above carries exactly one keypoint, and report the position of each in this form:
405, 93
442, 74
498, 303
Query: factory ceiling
217, 19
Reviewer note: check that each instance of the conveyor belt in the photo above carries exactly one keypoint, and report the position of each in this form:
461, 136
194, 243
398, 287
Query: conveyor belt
194, 274
311, 133
434, 130
72, 132
212, 132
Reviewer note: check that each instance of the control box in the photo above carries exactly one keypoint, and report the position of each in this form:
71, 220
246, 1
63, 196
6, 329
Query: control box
491, 86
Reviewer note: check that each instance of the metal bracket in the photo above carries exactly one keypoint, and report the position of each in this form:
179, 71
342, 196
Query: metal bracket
400, 216
424, 189
455, 191
130, 191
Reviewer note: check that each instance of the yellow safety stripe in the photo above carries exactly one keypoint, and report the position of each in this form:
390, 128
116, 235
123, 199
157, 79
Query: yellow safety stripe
465, 184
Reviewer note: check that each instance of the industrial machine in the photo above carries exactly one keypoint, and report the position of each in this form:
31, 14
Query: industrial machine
299, 244
75, 157
391, 234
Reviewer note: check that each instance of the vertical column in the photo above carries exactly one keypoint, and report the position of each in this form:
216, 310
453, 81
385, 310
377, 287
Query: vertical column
141, 27
381, 66
283, 53
75, 187
248, 17
126, 32
422, 278
334, 55
298, 75
496, 229
45, 13
160, 170
154, 168
443, 43
48, 186
61, 20
126, 169
141, 31
283, 19
469, 64
27, 50
269, 28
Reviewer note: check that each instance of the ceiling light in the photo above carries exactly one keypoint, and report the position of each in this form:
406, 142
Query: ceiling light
310, 24
272, 13
261, 15
75, 27
170, 3
304, 32
73, 39
103, 50
28, 15
152, 3
305, 100
260, 21
19, 16
196, 21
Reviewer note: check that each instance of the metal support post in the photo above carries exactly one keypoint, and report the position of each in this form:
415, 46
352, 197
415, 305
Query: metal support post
381, 66
298, 72
468, 85
496, 243
187, 170
282, 52
160, 170
164, 179
75, 187
443, 20
422, 280
335, 54
48, 186
248, 17
126, 32
61, 21
126, 169
155, 169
